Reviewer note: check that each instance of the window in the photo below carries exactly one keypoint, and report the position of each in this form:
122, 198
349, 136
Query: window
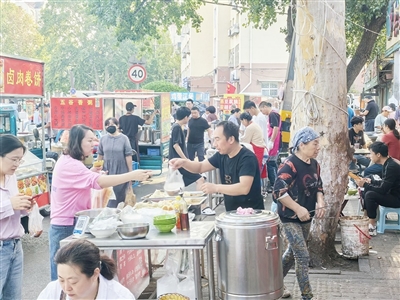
269, 89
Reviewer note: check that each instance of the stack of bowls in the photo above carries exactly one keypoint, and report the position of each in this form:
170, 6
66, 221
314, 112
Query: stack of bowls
164, 223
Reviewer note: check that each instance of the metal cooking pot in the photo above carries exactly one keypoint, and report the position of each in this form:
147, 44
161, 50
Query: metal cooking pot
249, 258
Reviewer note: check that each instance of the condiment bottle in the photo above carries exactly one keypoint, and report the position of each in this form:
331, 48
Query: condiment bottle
177, 211
184, 215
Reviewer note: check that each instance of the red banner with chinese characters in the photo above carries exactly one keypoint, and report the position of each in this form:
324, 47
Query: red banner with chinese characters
67, 112
132, 270
21, 77
229, 101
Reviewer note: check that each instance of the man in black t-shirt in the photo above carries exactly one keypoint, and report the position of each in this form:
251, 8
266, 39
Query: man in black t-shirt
370, 113
238, 166
274, 135
356, 136
128, 124
177, 146
195, 134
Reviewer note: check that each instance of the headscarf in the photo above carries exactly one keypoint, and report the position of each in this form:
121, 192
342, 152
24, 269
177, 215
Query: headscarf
304, 135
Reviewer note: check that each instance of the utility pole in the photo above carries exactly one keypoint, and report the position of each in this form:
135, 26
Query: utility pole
319, 91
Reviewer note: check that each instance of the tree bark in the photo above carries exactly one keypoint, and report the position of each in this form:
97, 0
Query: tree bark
364, 49
320, 102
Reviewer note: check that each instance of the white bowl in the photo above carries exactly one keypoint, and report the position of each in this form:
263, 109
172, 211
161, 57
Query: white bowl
102, 233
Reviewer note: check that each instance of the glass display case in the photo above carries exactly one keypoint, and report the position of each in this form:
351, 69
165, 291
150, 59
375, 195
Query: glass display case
32, 166
32, 178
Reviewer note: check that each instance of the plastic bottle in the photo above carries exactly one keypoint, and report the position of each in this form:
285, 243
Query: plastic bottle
178, 212
184, 215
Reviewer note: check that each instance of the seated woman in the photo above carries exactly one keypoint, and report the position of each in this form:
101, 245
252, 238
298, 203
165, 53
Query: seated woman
84, 274
385, 192
391, 138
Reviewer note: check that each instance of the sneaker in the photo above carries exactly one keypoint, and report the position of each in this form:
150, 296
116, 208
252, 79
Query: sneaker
286, 293
372, 230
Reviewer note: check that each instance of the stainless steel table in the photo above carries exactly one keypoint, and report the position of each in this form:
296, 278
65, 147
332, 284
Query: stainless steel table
197, 238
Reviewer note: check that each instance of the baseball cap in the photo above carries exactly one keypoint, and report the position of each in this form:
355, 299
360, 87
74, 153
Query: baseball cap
387, 108
368, 97
130, 106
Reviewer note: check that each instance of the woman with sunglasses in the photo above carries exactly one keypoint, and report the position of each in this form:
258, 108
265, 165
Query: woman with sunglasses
13, 205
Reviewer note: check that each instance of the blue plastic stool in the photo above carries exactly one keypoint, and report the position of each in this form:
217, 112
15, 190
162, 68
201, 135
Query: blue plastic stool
384, 224
135, 166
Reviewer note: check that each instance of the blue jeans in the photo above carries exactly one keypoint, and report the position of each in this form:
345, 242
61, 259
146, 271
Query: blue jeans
369, 125
56, 234
374, 169
362, 160
272, 169
296, 234
193, 148
11, 267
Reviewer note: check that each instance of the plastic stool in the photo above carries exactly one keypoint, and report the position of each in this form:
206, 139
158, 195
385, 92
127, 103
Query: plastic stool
135, 166
384, 224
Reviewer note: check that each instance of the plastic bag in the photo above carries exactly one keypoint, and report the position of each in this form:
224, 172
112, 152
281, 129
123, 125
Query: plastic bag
106, 219
186, 288
169, 282
174, 182
101, 197
35, 225
130, 197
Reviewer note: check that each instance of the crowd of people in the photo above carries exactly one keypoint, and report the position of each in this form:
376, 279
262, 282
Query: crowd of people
247, 147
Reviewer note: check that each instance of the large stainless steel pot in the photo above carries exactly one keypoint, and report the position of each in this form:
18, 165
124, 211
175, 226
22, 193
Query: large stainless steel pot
249, 258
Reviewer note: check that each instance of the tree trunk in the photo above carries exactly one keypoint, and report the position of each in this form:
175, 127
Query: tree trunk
320, 102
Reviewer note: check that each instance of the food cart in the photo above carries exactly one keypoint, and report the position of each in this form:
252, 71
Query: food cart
153, 140
22, 78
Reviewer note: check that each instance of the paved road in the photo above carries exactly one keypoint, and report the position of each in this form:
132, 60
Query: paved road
36, 252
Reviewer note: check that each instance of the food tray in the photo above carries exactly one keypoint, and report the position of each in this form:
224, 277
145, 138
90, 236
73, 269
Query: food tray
195, 194
191, 201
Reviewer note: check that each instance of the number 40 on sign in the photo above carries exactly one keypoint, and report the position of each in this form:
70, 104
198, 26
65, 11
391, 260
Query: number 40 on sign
137, 73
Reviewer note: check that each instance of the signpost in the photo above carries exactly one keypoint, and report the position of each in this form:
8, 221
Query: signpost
137, 73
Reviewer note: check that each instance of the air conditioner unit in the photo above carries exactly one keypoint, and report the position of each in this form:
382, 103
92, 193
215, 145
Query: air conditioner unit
235, 29
234, 76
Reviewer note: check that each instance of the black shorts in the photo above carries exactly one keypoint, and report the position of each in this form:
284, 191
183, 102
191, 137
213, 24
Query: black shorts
189, 178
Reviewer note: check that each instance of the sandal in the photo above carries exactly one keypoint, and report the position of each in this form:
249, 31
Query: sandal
208, 211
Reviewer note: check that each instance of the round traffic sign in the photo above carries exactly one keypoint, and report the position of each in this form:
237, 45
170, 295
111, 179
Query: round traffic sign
137, 73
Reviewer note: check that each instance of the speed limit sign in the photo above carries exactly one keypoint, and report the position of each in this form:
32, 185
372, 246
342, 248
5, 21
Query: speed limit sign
137, 73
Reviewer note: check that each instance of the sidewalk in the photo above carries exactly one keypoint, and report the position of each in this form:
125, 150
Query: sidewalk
378, 276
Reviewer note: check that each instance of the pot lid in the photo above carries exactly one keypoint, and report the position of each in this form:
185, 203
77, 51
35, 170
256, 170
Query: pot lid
259, 216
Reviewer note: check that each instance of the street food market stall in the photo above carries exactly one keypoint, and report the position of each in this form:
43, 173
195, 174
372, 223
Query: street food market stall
22, 78
153, 140
197, 238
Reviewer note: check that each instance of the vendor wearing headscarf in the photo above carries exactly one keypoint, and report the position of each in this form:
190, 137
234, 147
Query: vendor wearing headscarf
299, 195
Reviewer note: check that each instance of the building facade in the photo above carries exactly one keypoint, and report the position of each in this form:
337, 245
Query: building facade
225, 51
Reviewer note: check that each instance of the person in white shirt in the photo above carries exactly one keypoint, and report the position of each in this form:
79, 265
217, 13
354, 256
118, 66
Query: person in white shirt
37, 119
381, 118
84, 274
235, 117
258, 118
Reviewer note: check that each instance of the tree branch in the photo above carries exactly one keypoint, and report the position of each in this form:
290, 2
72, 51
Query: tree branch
364, 49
